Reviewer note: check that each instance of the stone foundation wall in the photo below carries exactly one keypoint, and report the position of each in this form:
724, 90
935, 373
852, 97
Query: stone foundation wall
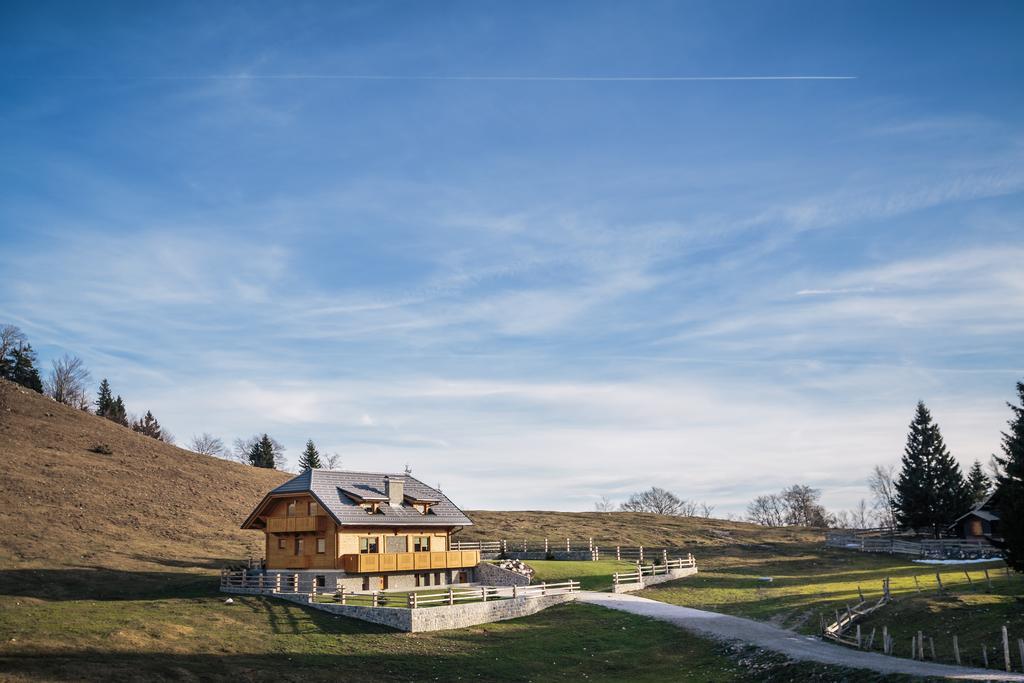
492, 575
438, 618
648, 581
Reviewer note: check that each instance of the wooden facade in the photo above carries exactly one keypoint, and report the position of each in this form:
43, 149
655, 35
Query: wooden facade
301, 535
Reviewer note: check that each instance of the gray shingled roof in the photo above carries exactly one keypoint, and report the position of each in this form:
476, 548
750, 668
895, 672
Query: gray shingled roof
330, 487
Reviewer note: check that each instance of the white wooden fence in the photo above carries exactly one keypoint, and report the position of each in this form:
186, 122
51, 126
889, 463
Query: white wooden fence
597, 550
918, 548
636, 576
289, 584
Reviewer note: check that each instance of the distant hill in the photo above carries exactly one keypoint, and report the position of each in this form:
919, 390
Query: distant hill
625, 528
151, 504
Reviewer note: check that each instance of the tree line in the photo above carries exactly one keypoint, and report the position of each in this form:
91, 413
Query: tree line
67, 383
658, 501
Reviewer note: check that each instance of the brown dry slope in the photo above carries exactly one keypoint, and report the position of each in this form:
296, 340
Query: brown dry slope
147, 505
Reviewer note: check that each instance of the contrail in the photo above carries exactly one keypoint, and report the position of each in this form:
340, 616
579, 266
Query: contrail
557, 79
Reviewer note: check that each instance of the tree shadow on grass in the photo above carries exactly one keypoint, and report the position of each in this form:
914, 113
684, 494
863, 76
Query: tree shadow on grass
100, 583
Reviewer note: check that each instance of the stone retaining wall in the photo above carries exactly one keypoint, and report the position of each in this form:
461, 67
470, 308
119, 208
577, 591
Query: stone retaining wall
493, 575
421, 619
648, 581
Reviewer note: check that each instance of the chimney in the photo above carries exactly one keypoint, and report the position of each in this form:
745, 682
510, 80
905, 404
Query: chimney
394, 489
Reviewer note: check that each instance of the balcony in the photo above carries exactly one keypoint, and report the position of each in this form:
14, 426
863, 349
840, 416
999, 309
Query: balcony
400, 562
284, 525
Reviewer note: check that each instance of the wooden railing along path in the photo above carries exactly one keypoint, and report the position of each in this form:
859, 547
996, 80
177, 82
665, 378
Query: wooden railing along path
636, 576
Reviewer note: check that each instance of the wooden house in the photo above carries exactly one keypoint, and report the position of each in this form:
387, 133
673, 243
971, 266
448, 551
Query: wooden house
363, 531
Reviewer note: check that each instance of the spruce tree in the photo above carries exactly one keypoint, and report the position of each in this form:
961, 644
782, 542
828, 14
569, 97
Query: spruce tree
1010, 486
148, 425
262, 453
23, 368
104, 401
118, 413
930, 491
310, 458
978, 483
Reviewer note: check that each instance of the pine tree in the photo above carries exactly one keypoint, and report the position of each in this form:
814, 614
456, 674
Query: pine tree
310, 458
262, 453
104, 402
978, 483
23, 368
930, 491
1010, 486
148, 426
118, 413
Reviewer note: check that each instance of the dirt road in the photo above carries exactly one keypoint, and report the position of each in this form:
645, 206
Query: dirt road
777, 639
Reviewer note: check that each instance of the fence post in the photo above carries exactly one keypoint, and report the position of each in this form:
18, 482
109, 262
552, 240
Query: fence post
641, 554
524, 545
956, 650
615, 579
1006, 648
262, 578
411, 598
514, 591
618, 553
277, 582
543, 587
451, 596
545, 546
483, 593
312, 591
590, 542
567, 548
664, 555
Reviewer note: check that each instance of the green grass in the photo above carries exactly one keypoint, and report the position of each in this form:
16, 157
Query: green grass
163, 626
807, 582
971, 612
593, 576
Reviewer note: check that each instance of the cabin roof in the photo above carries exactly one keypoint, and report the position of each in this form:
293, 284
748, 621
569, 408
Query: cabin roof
341, 494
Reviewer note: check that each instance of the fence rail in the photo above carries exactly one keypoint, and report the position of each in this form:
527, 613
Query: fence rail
918, 547
636, 576
289, 584
597, 550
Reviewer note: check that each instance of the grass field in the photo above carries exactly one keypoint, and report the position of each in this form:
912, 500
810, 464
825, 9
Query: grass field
807, 582
593, 576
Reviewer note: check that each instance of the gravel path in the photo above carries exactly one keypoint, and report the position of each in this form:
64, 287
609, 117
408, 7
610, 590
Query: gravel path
787, 642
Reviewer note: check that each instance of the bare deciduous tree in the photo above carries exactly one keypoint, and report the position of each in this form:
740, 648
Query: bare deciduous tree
331, 460
861, 515
604, 504
802, 507
206, 444
654, 499
767, 511
11, 338
67, 382
706, 510
882, 484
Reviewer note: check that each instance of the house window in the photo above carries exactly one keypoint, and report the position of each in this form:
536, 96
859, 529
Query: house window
437, 578
321, 546
366, 583
291, 509
311, 509
462, 578
282, 543
368, 544
422, 580
298, 546
321, 581
420, 544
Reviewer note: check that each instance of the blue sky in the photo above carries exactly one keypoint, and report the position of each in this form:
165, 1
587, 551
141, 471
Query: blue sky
385, 227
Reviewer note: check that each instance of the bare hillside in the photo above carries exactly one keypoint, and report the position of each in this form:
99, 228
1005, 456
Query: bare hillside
146, 503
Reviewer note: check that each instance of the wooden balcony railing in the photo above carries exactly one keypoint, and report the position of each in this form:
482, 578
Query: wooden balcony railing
398, 562
281, 525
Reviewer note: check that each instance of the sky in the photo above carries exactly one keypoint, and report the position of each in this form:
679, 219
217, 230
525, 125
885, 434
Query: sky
539, 252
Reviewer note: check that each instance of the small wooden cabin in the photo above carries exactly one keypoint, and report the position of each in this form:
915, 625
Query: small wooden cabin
372, 531
981, 523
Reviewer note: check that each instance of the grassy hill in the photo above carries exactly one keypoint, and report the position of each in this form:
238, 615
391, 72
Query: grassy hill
146, 504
